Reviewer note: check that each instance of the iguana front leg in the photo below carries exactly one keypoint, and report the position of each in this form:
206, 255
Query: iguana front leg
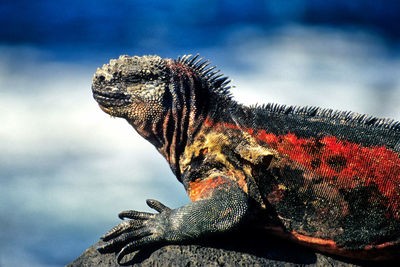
222, 210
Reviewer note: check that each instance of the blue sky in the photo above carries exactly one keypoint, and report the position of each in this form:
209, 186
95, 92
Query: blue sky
150, 25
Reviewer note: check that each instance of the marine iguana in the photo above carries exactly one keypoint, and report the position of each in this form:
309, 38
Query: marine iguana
323, 178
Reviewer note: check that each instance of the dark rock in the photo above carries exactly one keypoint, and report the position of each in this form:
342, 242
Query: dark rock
234, 249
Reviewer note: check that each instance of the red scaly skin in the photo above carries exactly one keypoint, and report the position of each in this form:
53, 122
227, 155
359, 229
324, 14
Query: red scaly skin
362, 165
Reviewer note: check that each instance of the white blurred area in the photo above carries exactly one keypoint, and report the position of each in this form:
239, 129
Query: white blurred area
345, 70
67, 168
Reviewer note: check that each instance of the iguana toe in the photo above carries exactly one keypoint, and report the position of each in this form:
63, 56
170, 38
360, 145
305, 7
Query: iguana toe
143, 228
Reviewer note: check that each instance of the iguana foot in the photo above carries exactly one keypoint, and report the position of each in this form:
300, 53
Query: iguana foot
142, 229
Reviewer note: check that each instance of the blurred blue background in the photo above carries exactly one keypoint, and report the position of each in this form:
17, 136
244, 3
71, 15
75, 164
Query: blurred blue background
67, 169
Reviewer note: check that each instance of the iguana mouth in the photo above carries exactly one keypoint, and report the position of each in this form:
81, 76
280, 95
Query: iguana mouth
111, 97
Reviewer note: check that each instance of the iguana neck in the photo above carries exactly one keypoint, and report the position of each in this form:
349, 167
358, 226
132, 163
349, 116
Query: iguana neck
192, 102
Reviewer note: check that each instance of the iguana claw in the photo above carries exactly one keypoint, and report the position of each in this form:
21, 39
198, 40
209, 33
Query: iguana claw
142, 229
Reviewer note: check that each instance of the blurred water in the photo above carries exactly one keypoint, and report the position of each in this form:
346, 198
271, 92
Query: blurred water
67, 169
179, 23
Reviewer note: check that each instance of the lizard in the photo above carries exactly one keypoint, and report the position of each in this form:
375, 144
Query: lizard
326, 179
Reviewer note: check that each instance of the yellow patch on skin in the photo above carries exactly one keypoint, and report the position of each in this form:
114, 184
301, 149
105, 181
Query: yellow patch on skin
282, 187
251, 151
211, 145
247, 170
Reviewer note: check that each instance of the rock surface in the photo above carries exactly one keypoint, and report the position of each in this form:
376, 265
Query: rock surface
244, 249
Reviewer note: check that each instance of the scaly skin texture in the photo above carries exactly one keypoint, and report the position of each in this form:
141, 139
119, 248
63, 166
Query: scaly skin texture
322, 178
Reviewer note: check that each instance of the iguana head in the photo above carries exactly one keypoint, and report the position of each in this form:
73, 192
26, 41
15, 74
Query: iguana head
134, 88
144, 90
162, 98
131, 87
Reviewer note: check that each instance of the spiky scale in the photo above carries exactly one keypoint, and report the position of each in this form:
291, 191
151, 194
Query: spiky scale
192, 59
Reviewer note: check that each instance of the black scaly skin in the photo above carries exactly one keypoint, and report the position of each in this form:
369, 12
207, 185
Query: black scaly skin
234, 170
